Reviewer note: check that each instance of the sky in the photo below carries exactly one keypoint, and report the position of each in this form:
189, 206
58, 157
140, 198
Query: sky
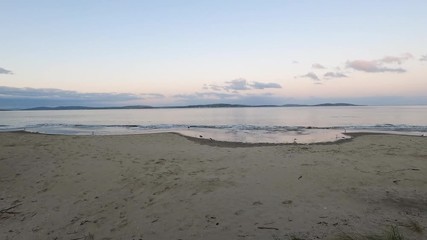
158, 53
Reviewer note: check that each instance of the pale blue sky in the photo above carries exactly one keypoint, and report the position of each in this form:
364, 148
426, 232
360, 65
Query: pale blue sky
180, 52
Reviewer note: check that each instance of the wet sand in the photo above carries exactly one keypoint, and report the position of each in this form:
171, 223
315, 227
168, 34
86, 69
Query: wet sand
166, 186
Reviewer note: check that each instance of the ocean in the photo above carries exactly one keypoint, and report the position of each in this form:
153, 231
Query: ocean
255, 125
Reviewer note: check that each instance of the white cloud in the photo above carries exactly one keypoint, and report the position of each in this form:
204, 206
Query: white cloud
237, 84
318, 66
334, 75
35, 97
230, 98
372, 67
5, 71
379, 65
260, 85
394, 59
311, 75
240, 84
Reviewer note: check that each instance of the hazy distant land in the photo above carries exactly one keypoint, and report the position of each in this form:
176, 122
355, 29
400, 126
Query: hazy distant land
218, 105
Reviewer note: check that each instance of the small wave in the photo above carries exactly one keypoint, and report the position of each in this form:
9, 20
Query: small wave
389, 127
57, 127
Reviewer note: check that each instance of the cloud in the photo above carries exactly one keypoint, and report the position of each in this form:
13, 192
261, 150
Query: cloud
318, 66
212, 87
398, 60
311, 75
52, 93
35, 97
378, 66
423, 58
5, 71
240, 84
237, 84
334, 75
230, 98
260, 85
372, 67
206, 95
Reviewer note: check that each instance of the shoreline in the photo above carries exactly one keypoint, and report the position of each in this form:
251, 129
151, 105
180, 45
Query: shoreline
167, 186
220, 143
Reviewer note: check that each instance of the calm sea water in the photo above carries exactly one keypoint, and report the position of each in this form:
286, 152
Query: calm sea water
300, 124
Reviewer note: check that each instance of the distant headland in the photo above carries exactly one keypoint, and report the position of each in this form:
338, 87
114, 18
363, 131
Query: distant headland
217, 105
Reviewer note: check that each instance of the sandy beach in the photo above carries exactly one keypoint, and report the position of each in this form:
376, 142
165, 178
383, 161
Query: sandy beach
166, 186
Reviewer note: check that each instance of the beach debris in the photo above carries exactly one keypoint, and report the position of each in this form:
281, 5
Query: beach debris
414, 226
268, 228
239, 212
299, 177
84, 221
200, 136
90, 236
6, 210
211, 139
211, 219
396, 181
287, 202
257, 203
242, 235
399, 170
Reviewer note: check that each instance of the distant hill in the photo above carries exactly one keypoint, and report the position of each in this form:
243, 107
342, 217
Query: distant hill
334, 105
216, 105
221, 105
86, 108
321, 105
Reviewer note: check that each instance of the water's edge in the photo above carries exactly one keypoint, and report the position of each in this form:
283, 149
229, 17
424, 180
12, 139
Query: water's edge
219, 143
